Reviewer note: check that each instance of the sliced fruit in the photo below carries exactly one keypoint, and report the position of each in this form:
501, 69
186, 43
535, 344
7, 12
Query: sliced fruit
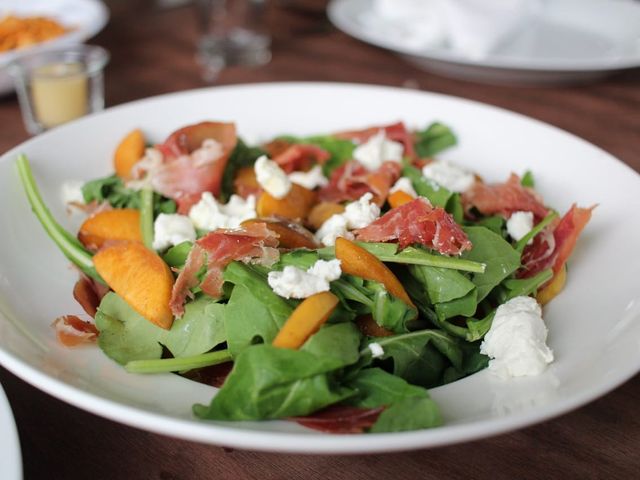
128, 153
399, 198
553, 288
321, 212
119, 224
140, 277
355, 260
305, 320
295, 206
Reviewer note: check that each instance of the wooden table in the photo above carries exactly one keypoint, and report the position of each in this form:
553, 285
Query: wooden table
153, 53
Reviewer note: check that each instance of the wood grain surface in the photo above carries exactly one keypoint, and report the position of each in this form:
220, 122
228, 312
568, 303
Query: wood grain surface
153, 52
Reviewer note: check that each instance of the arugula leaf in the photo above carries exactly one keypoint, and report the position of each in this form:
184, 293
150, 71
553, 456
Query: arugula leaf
268, 382
473, 362
527, 179
437, 194
341, 150
111, 189
254, 312
500, 258
465, 306
478, 328
388, 311
455, 208
125, 335
377, 388
418, 357
177, 255
241, 156
433, 139
495, 223
441, 284
411, 413
67, 243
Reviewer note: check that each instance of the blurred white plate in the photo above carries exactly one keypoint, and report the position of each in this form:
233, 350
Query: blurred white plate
11, 464
573, 41
594, 326
85, 17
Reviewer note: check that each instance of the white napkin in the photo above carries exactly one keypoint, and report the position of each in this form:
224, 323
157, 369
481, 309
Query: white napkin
473, 28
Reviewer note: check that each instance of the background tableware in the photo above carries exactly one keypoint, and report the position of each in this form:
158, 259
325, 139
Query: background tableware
571, 41
59, 85
84, 17
594, 327
11, 464
233, 32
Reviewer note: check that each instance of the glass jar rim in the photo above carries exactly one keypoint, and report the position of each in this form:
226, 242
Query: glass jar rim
92, 57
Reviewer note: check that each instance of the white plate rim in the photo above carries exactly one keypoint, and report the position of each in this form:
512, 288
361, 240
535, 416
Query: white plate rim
287, 442
343, 23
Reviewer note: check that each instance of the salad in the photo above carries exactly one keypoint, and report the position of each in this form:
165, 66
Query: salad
329, 280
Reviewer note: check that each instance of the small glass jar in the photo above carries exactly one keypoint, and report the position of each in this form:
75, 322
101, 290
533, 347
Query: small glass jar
59, 85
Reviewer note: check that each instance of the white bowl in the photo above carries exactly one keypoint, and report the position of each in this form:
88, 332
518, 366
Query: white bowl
594, 328
85, 17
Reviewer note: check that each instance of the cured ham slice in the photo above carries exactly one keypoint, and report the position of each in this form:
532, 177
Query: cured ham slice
252, 243
503, 199
341, 419
396, 132
352, 180
88, 293
418, 222
300, 157
552, 247
72, 331
194, 161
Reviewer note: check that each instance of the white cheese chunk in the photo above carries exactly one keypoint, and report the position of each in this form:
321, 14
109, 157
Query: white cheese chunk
378, 149
358, 214
452, 177
172, 229
271, 177
209, 215
516, 341
404, 185
71, 192
209, 152
311, 179
293, 282
376, 350
519, 224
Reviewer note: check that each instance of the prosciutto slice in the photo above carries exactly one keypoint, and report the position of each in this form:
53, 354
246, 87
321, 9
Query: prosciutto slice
418, 222
341, 419
190, 165
352, 180
552, 247
252, 243
503, 199
72, 331
300, 157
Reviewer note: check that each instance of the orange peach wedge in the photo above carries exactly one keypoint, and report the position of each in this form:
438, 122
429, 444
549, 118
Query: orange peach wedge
140, 277
128, 153
355, 260
295, 206
305, 320
118, 224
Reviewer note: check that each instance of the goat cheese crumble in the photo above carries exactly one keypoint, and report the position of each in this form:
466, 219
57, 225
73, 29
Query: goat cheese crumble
272, 178
71, 192
358, 214
452, 177
171, 229
519, 224
376, 350
209, 215
378, 149
311, 179
516, 340
404, 185
293, 282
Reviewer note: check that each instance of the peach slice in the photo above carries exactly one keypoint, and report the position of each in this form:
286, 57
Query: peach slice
399, 198
321, 212
118, 224
128, 152
355, 260
290, 235
305, 320
295, 206
553, 288
140, 277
